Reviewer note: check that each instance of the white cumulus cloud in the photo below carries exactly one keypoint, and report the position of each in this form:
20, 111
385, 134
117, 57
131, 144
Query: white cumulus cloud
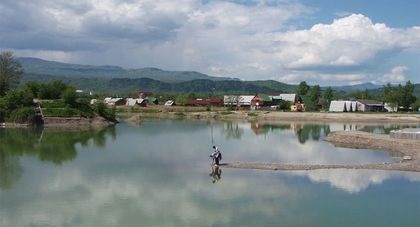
253, 40
397, 75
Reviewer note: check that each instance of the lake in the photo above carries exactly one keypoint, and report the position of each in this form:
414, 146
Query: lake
158, 173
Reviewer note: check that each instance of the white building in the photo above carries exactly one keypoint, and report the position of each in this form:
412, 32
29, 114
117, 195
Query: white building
343, 106
293, 98
237, 100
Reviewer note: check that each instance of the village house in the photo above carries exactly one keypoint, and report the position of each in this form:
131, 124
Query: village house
136, 102
169, 103
240, 101
296, 102
370, 106
260, 100
114, 101
214, 101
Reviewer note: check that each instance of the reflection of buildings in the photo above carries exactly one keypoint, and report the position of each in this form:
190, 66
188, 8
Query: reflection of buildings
232, 130
344, 127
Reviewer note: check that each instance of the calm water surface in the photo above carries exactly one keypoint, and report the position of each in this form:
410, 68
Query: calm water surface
158, 174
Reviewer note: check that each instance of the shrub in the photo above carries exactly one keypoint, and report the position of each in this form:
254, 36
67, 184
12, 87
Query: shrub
23, 115
61, 112
251, 114
70, 96
226, 112
102, 110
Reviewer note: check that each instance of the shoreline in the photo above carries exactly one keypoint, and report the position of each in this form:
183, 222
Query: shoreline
63, 122
273, 116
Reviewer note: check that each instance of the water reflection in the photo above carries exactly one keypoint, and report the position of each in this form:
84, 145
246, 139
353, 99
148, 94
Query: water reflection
355, 181
232, 130
303, 132
216, 174
10, 170
158, 175
306, 131
386, 128
48, 145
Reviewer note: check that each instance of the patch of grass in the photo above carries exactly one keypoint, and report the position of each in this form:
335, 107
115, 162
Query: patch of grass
61, 112
179, 114
252, 114
225, 112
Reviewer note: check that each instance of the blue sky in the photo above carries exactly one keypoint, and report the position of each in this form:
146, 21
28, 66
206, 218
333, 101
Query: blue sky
322, 42
393, 13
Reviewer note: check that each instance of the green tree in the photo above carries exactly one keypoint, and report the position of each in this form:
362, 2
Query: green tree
70, 96
366, 95
52, 90
303, 88
10, 72
32, 87
416, 105
315, 94
328, 95
399, 96
390, 95
406, 95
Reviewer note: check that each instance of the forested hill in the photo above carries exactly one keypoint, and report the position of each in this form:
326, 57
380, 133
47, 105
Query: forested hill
36, 66
199, 86
117, 80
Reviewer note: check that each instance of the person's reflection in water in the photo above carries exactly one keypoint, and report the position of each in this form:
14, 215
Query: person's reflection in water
216, 173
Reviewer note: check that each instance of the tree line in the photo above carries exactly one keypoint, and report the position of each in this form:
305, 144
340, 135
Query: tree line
17, 103
400, 97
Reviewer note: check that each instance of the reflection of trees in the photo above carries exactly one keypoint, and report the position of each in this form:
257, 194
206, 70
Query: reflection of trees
50, 145
10, 170
264, 128
308, 131
232, 130
303, 131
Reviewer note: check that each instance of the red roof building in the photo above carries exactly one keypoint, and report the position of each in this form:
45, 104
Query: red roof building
205, 102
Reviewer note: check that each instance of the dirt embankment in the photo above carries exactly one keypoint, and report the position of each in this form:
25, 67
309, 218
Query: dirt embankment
76, 122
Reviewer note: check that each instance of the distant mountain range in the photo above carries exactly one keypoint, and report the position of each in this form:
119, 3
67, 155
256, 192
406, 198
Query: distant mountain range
43, 67
117, 80
360, 87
